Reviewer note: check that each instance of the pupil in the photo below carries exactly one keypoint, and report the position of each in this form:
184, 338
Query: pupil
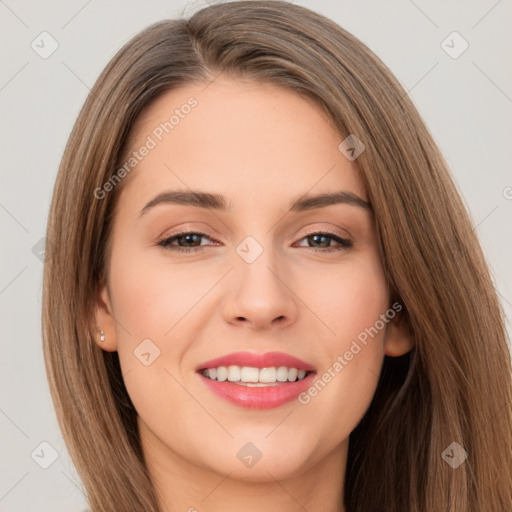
315, 237
187, 238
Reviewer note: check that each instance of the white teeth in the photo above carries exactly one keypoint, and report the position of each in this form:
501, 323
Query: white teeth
267, 375
222, 373
234, 373
248, 374
282, 374
255, 376
292, 374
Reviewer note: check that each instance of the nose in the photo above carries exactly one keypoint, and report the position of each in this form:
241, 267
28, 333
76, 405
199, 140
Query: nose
260, 295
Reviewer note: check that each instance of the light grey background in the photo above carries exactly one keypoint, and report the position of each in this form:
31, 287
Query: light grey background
466, 102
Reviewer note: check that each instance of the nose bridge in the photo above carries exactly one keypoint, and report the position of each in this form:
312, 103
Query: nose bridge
258, 293
261, 275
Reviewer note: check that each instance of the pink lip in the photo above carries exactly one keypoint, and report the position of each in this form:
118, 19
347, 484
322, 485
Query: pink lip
258, 397
266, 360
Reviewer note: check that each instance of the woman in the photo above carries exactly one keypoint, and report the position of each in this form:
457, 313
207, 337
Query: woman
335, 345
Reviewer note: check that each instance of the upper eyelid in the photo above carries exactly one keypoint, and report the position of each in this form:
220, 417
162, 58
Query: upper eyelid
328, 232
314, 229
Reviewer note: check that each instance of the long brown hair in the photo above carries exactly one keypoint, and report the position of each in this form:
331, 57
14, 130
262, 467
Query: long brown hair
455, 386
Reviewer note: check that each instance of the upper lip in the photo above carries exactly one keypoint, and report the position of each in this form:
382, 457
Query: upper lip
265, 360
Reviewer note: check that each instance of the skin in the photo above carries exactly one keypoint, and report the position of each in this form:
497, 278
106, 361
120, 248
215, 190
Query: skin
261, 147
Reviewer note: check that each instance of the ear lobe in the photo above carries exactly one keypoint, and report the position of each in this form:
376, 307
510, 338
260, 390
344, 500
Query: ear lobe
105, 321
398, 339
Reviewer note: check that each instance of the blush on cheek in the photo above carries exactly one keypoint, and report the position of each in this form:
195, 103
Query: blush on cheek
358, 306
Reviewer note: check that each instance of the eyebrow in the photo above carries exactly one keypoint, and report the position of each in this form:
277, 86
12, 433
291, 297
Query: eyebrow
219, 202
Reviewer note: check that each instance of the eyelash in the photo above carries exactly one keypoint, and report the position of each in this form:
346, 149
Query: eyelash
166, 242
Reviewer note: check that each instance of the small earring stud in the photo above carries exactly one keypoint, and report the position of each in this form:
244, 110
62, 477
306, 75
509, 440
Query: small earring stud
102, 334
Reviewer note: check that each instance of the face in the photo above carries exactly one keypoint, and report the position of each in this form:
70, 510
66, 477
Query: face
262, 279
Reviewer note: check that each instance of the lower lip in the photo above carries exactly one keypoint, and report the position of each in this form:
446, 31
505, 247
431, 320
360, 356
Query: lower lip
259, 397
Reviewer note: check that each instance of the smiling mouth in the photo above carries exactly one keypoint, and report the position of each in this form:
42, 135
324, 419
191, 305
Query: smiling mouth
255, 377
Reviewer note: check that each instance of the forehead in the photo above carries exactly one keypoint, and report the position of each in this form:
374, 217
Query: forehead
249, 141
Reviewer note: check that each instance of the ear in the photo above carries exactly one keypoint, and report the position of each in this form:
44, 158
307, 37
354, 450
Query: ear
105, 320
398, 339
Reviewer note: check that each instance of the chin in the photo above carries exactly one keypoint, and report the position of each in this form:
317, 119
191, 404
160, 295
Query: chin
260, 460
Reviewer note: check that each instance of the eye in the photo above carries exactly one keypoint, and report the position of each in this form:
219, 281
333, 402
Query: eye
183, 238
190, 241
324, 239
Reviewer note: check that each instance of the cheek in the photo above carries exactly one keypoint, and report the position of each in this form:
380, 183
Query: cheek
348, 298
153, 304
151, 296
353, 304
157, 306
